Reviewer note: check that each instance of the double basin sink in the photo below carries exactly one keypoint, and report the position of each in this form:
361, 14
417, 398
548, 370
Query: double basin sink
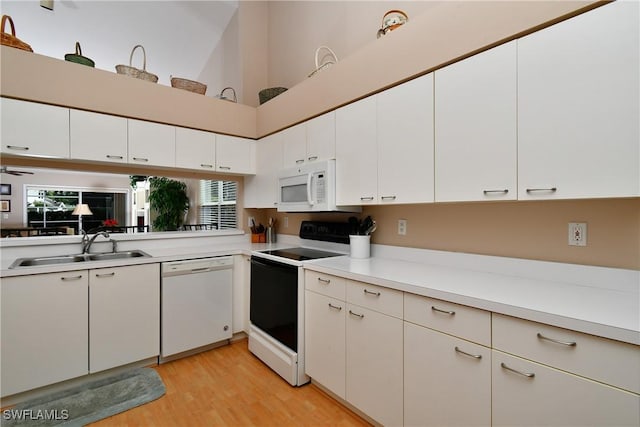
65, 259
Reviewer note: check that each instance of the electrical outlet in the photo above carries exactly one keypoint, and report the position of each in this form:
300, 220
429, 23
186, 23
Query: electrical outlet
577, 234
286, 222
250, 221
402, 227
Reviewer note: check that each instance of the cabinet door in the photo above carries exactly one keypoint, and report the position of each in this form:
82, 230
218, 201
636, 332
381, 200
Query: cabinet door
44, 330
98, 137
405, 142
294, 140
528, 394
124, 315
195, 149
235, 155
261, 190
32, 129
356, 153
447, 381
321, 137
325, 341
476, 127
578, 106
374, 364
151, 144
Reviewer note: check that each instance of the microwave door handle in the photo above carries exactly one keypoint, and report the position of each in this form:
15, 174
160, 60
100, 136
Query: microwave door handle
309, 196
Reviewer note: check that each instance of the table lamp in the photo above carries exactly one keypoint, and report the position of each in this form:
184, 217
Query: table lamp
81, 209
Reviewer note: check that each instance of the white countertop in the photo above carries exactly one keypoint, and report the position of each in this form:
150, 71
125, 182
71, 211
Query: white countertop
611, 311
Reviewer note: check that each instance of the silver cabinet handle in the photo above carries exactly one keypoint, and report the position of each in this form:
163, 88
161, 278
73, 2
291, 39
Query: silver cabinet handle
475, 356
533, 190
372, 293
335, 307
388, 197
111, 156
487, 192
299, 161
356, 314
204, 165
140, 159
17, 147
366, 198
567, 343
113, 273
69, 278
439, 310
227, 168
312, 158
325, 281
515, 371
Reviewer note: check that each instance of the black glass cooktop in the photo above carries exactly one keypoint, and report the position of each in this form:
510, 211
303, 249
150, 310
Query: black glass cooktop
301, 254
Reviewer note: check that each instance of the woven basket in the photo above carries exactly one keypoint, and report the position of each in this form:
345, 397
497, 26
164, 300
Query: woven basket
272, 92
78, 58
11, 39
190, 85
130, 71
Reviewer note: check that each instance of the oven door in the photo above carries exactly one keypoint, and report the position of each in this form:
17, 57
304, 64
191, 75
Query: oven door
274, 300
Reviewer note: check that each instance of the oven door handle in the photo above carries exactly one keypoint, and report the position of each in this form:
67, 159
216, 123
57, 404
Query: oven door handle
309, 196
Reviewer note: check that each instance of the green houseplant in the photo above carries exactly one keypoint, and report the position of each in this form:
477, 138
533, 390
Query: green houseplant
169, 199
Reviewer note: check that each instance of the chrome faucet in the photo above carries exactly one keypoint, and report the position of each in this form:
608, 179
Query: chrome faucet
87, 242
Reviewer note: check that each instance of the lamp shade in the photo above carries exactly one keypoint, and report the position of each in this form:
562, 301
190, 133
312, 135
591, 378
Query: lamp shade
82, 209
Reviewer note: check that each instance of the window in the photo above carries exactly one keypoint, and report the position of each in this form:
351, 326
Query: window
218, 203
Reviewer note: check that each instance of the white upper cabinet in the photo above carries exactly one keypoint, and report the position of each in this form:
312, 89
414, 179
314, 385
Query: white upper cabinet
151, 144
235, 155
294, 140
476, 127
261, 190
195, 149
98, 137
321, 137
32, 129
356, 153
405, 142
578, 106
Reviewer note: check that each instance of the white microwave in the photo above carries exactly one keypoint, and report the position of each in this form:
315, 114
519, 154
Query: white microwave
310, 188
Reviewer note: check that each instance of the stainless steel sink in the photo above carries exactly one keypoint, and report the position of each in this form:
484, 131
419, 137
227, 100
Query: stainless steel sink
66, 259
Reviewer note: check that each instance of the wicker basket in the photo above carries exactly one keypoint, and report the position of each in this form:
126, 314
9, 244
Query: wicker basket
272, 92
11, 39
190, 85
78, 58
130, 71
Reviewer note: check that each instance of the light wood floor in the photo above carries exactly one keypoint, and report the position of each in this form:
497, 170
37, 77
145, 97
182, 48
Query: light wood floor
229, 386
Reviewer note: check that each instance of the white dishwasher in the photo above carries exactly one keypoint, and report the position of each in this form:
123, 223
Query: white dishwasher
196, 304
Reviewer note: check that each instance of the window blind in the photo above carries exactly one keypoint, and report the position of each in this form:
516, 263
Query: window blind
218, 203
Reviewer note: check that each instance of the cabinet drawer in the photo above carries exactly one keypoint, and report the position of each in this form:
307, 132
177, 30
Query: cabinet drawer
465, 322
378, 298
325, 284
601, 359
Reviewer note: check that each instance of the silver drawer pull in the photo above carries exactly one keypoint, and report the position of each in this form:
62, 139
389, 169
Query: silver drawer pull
515, 371
438, 310
325, 281
475, 356
68, 278
371, 293
227, 168
356, 314
533, 190
140, 159
17, 147
204, 165
567, 343
366, 198
487, 192
111, 156
312, 158
299, 161
335, 307
113, 273
388, 197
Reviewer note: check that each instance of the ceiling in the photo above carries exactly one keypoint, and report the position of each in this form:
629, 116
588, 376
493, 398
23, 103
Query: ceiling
178, 36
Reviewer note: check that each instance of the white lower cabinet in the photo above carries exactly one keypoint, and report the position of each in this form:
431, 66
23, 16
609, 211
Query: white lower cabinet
124, 315
447, 380
44, 330
374, 364
529, 394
